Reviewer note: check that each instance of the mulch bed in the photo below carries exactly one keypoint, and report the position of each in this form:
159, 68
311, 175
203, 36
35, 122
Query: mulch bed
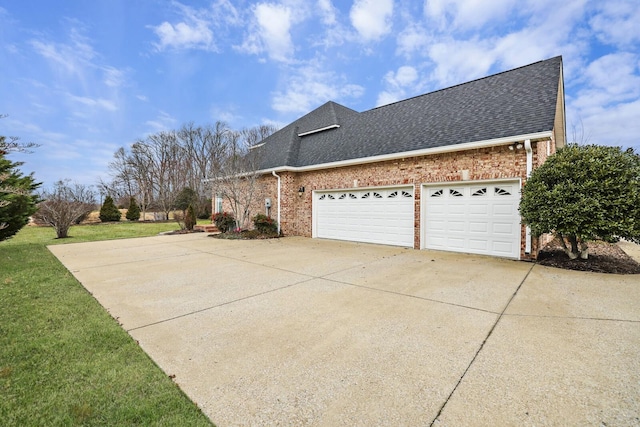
603, 258
244, 235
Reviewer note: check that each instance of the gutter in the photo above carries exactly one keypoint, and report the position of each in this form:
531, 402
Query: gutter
529, 151
415, 153
274, 174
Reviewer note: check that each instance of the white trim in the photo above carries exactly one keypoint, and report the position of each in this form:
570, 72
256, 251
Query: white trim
527, 148
274, 174
415, 153
257, 145
319, 130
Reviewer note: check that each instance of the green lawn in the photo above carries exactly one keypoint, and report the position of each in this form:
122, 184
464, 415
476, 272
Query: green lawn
63, 359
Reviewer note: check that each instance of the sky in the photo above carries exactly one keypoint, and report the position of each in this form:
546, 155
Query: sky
83, 78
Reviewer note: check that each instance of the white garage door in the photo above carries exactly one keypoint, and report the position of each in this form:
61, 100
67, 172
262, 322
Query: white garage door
480, 218
384, 216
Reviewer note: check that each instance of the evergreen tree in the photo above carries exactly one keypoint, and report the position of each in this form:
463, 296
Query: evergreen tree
109, 211
133, 213
17, 201
190, 218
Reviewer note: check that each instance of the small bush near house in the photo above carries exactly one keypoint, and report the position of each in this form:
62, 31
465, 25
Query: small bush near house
109, 211
224, 221
265, 225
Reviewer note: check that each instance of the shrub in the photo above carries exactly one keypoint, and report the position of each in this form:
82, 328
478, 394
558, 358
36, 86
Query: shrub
224, 221
190, 218
265, 225
583, 193
133, 213
109, 211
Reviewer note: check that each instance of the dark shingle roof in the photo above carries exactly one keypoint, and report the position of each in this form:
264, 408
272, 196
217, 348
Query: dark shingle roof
516, 102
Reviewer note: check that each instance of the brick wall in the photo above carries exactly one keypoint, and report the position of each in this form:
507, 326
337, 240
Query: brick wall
481, 164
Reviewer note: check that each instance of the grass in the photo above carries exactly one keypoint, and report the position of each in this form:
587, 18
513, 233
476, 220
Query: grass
63, 359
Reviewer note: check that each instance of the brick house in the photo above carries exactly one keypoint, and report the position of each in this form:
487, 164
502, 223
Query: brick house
438, 171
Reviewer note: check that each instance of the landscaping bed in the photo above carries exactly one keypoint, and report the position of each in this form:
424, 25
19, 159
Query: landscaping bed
603, 258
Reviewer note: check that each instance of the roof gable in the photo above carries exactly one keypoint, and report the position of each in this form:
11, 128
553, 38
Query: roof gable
516, 102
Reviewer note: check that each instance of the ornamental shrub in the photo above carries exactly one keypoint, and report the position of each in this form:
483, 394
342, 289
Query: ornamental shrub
109, 211
265, 225
133, 213
224, 221
190, 218
583, 193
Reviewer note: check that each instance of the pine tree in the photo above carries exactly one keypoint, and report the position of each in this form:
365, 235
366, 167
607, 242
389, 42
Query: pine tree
190, 218
133, 213
109, 211
17, 201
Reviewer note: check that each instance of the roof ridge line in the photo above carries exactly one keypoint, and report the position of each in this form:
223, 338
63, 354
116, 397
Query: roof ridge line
464, 83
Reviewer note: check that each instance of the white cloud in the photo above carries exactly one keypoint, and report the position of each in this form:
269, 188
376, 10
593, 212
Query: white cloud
103, 104
311, 87
327, 12
617, 22
468, 13
192, 33
413, 39
398, 85
163, 122
609, 80
269, 32
372, 18
73, 58
113, 77
460, 61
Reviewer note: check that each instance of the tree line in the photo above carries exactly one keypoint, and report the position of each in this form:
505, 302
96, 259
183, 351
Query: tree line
163, 169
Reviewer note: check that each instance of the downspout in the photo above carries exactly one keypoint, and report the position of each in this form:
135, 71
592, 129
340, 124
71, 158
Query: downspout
274, 174
529, 151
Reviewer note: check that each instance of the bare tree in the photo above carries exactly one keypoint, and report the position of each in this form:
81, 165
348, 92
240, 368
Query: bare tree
64, 204
237, 179
157, 168
204, 149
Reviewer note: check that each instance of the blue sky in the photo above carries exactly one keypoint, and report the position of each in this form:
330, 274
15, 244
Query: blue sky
83, 78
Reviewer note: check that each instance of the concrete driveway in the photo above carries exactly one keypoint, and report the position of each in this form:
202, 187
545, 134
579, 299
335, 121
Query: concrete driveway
301, 331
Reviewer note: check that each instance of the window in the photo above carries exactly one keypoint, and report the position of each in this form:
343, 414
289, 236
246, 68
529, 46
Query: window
501, 192
322, 197
352, 196
455, 193
406, 194
343, 196
377, 195
480, 192
218, 208
437, 193
392, 195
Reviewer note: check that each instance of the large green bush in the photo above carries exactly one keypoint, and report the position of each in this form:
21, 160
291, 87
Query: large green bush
109, 211
582, 193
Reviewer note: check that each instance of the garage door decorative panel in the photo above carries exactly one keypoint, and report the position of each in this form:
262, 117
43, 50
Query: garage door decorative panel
473, 218
383, 216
